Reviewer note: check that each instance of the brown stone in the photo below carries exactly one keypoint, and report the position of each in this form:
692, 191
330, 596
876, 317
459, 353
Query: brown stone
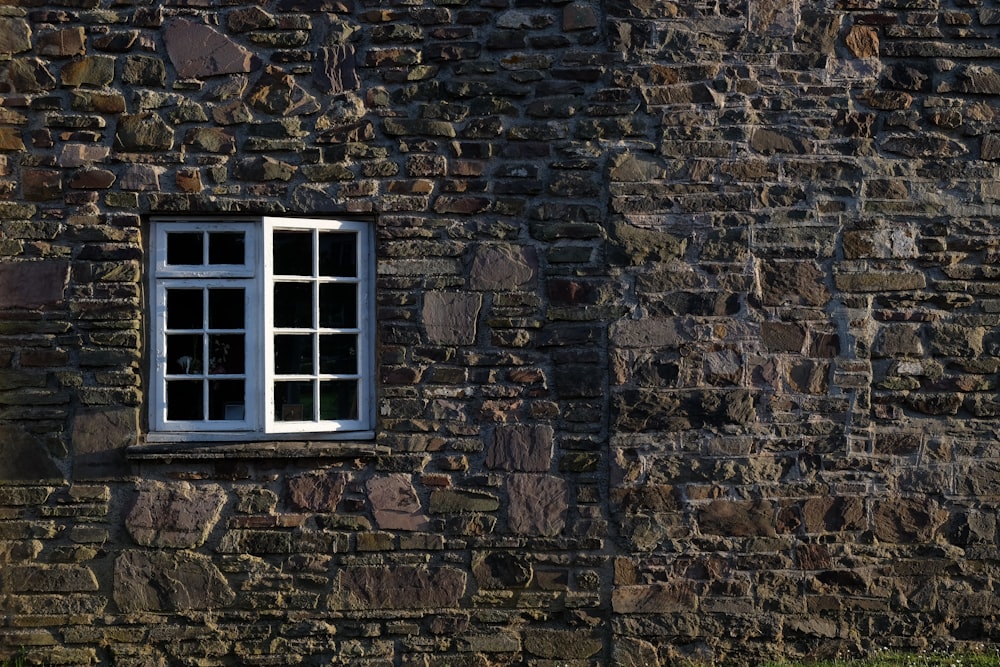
337, 69
79, 155
770, 142
737, 518
89, 71
318, 492
662, 598
252, 18
10, 139
15, 35
189, 180
823, 515
538, 504
501, 569
991, 147
457, 501
92, 179
41, 184
100, 436
198, 51
395, 503
175, 515
409, 587
49, 578
138, 177
862, 41
25, 75
279, 94
211, 139
450, 318
793, 283
503, 267
520, 448
907, 520
109, 103
633, 652
165, 581
63, 43
562, 644
33, 284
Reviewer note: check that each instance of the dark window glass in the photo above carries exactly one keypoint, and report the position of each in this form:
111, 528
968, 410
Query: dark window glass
293, 255
226, 353
338, 256
226, 400
293, 401
184, 400
338, 354
293, 305
293, 355
185, 248
338, 399
225, 308
338, 305
226, 248
184, 309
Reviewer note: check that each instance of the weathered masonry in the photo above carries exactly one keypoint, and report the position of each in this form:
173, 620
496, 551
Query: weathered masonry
497, 332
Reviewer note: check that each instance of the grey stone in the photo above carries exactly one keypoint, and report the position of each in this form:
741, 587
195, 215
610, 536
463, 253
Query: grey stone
26, 458
143, 132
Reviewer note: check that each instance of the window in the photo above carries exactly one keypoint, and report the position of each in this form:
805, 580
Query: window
261, 329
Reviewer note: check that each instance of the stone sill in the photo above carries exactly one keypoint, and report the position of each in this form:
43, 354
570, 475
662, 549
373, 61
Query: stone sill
328, 449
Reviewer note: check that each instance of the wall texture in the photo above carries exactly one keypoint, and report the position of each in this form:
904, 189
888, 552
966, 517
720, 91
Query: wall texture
689, 330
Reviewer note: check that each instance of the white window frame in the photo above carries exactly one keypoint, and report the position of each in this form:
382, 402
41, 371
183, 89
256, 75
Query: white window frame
257, 277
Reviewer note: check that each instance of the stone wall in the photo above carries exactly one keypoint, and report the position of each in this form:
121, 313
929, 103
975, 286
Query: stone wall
688, 330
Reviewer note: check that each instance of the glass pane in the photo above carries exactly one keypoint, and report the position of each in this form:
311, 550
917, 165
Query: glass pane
226, 248
338, 305
338, 399
226, 353
184, 309
185, 248
225, 308
184, 400
293, 255
226, 400
293, 355
184, 353
293, 401
293, 306
338, 354
338, 254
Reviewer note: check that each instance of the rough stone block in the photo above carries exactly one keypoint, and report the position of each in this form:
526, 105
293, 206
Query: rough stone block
176, 515
408, 587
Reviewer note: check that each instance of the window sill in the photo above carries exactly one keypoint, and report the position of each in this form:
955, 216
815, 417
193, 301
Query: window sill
272, 449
